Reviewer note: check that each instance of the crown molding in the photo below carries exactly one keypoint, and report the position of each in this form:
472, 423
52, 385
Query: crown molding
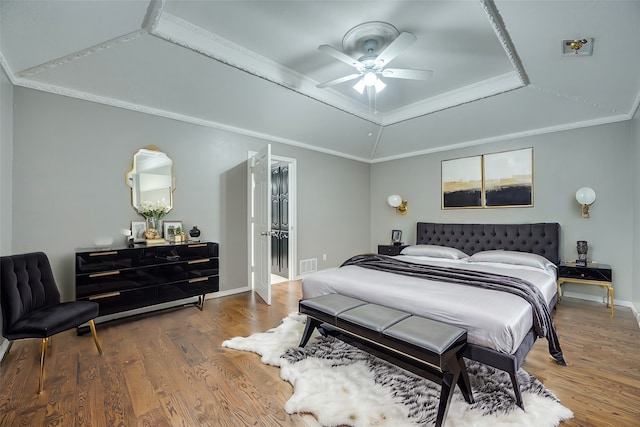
464, 95
112, 102
81, 54
510, 136
496, 22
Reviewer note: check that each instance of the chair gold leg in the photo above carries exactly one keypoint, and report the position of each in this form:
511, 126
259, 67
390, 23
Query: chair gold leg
6, 352
92, 325
43, 350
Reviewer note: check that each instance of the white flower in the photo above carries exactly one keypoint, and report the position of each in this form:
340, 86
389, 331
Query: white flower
157, 209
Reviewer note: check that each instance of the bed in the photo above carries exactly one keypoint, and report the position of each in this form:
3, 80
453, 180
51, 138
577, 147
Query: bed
501, 326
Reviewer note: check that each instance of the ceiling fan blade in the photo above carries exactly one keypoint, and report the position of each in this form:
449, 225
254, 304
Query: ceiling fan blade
339, 80
401, 73
340, 56
403, 41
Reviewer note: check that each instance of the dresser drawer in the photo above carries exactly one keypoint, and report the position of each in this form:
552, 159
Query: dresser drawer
587, 273
115, 302
390, 249
184, 270
197, 251
188, 288
115, 280
89, 262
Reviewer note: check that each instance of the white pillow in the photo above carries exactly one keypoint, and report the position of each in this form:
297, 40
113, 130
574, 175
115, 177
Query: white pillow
434, 251
512, 257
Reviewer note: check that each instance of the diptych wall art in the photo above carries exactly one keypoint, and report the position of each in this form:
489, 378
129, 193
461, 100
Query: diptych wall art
489, 181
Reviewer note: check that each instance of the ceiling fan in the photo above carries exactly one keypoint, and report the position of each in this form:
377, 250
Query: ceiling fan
378, 43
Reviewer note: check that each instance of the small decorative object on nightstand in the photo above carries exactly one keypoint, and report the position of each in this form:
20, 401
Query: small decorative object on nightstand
591, 274
582, 247
390, 249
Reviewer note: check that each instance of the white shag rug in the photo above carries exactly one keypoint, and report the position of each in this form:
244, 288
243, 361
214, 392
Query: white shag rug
342, 385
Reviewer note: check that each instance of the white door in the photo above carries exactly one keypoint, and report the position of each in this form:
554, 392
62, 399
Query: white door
261, 201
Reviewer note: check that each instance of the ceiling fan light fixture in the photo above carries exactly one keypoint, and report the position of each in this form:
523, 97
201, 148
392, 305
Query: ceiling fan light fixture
378, 43
370, 79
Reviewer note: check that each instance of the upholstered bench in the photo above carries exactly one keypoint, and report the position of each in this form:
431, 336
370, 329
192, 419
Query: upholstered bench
428, 348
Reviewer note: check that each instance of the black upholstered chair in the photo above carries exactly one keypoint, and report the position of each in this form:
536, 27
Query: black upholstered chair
31, 307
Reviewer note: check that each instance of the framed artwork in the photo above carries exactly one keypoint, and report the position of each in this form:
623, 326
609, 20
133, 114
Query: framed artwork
508, 178
170, 228
462, 183
137, 231
494, 180
396, 236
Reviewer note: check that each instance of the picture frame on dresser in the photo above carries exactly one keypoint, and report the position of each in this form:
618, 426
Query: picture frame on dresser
396, 237
169, 228
137, 231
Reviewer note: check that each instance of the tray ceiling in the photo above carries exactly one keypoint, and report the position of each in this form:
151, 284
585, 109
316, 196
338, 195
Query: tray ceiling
252, 67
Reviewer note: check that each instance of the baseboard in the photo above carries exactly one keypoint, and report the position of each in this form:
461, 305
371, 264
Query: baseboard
228, 292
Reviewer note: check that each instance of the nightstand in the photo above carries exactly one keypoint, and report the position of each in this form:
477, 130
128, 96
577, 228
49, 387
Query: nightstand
390, 249
591, 274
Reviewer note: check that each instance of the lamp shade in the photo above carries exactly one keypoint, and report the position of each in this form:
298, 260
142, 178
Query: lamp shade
585, 196
394, 200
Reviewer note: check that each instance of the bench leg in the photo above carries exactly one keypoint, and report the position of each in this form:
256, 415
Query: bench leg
449, 380
309, 327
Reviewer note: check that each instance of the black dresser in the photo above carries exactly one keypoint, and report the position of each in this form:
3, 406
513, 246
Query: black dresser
124, 279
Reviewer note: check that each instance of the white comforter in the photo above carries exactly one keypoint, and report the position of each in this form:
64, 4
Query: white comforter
493, 319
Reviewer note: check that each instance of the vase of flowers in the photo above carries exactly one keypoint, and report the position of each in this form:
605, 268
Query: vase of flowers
153, 212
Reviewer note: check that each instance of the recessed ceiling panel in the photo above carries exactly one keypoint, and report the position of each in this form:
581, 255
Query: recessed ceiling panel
454, 39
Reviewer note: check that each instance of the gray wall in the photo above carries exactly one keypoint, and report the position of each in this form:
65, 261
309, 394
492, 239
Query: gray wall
70, 159
598, 157
6, 154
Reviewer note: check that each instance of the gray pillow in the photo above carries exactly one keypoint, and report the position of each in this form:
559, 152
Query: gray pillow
434, 251
512, 257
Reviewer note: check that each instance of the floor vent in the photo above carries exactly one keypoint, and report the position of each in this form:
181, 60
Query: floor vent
308, 265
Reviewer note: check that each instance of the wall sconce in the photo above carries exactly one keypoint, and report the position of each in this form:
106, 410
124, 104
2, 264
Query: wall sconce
585, 196
396, 201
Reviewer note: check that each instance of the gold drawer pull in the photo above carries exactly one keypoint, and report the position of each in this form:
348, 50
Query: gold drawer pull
198, 261
199, 279
112, 294
106, 273
199, 245
103, 253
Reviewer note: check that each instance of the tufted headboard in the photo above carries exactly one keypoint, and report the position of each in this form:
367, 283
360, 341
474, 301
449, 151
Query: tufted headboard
541, 238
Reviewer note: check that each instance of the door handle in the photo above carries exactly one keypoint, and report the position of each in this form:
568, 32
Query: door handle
269, 233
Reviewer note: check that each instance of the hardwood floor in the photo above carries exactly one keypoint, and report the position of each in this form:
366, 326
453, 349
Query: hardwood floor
169, 369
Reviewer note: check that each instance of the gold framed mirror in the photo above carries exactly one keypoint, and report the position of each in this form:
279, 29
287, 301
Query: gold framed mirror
151, 177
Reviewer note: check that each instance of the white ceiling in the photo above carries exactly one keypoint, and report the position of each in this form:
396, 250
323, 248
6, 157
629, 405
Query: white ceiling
253, 66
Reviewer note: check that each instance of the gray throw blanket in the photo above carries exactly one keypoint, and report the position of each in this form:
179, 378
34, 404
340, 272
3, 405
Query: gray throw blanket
542, 323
